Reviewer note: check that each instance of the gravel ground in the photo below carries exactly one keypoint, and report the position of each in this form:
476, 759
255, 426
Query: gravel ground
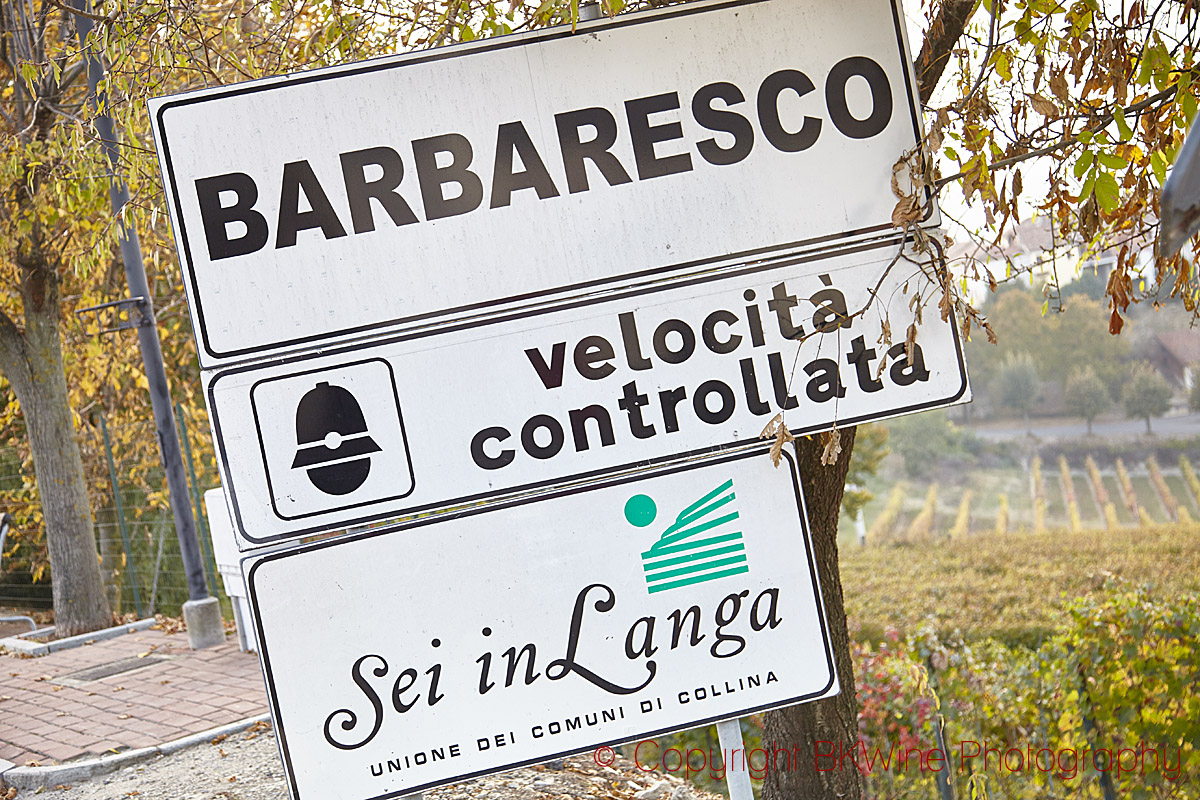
246, 766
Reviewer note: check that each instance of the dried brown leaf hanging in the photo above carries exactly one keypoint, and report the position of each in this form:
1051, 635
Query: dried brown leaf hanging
775, 428
907, 212
832, 446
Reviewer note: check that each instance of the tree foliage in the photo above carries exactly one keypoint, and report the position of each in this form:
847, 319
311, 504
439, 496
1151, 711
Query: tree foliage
1147, 394
1085, 395
870, 448
57, 255
928, 441
1073, 110
1057, 343
1017, 383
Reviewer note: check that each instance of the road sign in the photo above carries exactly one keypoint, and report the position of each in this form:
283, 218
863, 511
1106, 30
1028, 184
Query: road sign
370, 432
526, 631
440, 185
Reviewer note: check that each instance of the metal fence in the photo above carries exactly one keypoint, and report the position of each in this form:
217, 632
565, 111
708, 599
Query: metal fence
135, 531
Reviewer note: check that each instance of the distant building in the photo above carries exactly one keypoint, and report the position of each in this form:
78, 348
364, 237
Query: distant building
1176, 354
1032, 250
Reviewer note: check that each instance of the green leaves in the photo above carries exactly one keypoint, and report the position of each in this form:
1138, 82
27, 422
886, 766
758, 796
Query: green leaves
1084, 163
1002, 64
1122, 124
1158, 164
1187, 104
1107, 192
1100, 98
1156, 64
29, 74
1096, 165
1117, 673
1089, 186
544, 10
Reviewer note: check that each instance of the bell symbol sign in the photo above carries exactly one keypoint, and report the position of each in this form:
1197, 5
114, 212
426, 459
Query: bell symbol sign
333, 444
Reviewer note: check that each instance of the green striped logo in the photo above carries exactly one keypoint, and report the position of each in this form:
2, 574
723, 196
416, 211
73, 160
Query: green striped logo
703, 544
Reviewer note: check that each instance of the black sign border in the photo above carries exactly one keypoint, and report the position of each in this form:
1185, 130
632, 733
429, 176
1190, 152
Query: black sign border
758, 451
456, 51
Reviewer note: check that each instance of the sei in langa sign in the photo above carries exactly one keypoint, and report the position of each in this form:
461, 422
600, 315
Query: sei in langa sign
440, 184
375, 431
515, 633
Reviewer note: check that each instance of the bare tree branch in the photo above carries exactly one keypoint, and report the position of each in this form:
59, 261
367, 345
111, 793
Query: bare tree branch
985, 62
93, 17
1166, 95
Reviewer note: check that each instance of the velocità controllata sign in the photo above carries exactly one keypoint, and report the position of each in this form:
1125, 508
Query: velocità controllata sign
416, 422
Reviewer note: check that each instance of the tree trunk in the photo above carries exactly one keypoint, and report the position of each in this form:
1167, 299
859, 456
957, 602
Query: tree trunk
32, 361
1089, 424
1148, 424
802, 729
80, 604
940, 40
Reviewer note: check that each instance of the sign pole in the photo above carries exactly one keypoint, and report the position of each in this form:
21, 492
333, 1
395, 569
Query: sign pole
737, 776
202, 613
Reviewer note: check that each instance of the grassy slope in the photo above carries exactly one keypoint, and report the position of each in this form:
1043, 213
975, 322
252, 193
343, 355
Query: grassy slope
1011, 587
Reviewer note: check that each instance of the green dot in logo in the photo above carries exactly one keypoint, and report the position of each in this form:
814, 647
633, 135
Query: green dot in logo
640, 510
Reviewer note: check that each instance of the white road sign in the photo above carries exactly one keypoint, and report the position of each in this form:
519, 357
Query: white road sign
416, 422
445, 184
521, 632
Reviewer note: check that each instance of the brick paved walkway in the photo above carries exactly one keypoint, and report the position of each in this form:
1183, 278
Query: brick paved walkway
62, 707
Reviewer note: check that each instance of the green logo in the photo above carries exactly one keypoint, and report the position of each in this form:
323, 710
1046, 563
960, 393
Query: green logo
699, 546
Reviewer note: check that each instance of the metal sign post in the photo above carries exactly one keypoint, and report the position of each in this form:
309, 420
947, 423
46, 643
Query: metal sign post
737, 774
202, 612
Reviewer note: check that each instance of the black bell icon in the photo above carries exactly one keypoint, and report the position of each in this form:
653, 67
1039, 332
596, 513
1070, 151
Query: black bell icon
333, 444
